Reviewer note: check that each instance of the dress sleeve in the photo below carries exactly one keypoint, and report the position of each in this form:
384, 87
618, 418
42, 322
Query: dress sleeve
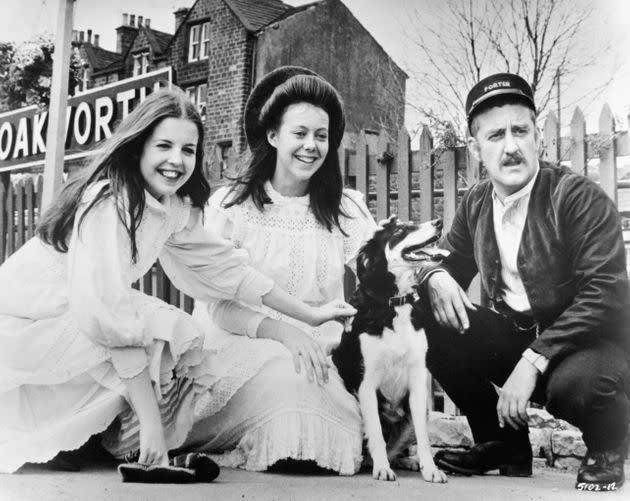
230, 315
208, 267
99, 287
359, 225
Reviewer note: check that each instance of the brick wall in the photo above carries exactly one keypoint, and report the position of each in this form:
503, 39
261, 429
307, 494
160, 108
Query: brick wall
229, 78
227, 72
124, 38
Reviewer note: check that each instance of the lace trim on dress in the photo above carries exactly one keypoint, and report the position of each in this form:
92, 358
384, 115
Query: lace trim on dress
299, 433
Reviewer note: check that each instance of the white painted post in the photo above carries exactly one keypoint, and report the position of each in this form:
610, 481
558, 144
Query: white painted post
607, 153
551, 138
55, 137
578, 142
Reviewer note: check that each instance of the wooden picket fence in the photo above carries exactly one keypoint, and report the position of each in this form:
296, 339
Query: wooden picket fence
416, 184
19, 214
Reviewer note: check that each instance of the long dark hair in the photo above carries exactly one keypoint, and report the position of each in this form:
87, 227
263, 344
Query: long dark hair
326, 185
119, 163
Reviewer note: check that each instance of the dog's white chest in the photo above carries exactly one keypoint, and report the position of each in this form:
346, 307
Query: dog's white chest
389, 359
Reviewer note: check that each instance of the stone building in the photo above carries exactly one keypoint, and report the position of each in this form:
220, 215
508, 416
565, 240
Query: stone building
220, 48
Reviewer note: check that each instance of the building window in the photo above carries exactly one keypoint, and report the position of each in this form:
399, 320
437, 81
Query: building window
205, 40
85, 79
198, 94
140, 64
199, 42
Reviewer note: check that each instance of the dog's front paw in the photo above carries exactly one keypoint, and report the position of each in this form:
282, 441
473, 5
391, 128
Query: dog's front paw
433, 474
383, 472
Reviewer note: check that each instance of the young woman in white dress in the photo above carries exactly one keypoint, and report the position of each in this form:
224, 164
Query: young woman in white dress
81, 349
275, 395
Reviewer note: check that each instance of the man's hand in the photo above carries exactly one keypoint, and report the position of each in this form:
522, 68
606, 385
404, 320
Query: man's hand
448, 301
515, 395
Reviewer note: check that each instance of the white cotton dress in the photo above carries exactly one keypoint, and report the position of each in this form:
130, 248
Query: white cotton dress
72, 328
260, 410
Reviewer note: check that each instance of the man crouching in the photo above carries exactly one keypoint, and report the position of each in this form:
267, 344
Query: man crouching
548, 246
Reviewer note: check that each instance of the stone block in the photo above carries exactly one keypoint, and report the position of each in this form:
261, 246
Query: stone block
567, 463
540, 418
449, 431
563, 425
567, 443
541, 443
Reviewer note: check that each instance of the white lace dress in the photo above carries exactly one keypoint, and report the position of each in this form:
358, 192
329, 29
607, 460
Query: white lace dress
260, 411
72, 328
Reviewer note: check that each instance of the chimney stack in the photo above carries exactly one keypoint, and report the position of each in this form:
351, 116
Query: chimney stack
180, 14
147, 22
126, 33
96, 39
81, 36
89, 36
140, 19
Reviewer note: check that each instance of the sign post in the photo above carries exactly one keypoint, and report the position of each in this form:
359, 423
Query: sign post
55, 138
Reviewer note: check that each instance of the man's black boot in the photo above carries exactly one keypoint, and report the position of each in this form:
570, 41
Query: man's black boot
495, 455
602, 471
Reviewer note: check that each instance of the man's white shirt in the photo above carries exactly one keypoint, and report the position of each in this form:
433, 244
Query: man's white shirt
509, 217
509, 221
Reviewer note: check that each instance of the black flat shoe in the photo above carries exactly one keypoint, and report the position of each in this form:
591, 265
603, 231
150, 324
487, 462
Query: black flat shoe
602, 471
485, 457
186, 469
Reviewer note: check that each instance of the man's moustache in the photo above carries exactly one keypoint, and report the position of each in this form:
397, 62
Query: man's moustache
512, 161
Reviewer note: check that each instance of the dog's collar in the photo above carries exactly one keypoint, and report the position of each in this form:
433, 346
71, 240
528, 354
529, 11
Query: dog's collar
410, 298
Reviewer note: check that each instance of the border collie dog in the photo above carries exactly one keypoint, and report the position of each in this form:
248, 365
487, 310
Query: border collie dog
381, 359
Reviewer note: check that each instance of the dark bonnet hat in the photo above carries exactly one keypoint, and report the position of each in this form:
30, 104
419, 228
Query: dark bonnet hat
498, 88
263, 93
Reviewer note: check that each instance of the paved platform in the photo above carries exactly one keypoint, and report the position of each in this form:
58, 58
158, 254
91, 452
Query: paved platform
101, 483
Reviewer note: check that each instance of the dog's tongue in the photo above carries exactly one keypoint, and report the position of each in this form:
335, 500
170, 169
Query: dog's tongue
436, 252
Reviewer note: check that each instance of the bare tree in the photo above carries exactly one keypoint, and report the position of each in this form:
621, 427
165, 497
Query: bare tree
462, 41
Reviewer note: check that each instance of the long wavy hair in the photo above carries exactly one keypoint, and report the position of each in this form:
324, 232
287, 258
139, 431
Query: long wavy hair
119, 163
326, 185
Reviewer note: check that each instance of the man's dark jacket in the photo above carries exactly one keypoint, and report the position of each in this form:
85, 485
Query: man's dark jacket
571, 260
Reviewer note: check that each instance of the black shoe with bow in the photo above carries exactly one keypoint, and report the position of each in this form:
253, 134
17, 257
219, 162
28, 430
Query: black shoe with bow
511, 461
602, 471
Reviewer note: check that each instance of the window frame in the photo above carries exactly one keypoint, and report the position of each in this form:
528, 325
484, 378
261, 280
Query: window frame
198, 41
198, 95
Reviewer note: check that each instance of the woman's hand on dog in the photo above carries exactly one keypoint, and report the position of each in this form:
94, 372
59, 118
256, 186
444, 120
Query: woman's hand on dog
448, 301
305, 350
335, 310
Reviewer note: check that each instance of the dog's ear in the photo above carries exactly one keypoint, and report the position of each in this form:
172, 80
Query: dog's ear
384, 223
353, 262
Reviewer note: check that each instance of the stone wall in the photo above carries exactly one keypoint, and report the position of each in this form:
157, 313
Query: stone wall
554, 442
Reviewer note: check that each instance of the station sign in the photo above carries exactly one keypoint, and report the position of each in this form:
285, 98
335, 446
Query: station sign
90, 119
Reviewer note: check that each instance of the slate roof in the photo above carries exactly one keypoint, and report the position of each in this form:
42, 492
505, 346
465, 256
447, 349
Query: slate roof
257, 14
159, 40
100, 58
